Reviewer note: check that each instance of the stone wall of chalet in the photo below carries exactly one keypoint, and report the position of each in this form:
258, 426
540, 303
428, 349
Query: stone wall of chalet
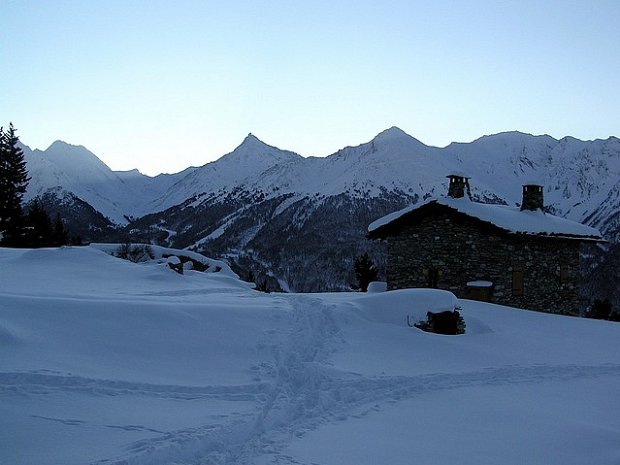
448, 251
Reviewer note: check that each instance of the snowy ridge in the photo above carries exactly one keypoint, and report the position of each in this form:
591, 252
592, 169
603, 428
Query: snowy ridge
386, 162
235, 169
117, 195
76, 170
580, 177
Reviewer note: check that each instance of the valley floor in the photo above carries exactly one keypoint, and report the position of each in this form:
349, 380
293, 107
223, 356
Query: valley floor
103, 361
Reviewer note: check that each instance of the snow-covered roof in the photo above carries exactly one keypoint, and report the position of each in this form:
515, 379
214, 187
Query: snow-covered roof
510, 219
460, 174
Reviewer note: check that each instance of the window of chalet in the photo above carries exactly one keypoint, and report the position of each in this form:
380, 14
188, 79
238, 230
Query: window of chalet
517, 279
564, 273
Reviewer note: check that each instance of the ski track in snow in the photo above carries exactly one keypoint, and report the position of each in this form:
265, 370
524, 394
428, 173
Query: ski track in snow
298, 392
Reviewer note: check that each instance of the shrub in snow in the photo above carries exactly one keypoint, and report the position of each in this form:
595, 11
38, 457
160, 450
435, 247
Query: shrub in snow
448, 322
262, 286
602, 310
134, 252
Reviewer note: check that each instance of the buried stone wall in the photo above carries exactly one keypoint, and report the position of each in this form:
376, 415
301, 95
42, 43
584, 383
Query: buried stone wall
447, 251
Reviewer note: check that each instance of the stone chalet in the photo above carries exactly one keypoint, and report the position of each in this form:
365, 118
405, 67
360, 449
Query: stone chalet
521, 257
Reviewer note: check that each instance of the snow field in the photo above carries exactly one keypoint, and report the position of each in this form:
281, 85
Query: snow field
109, 362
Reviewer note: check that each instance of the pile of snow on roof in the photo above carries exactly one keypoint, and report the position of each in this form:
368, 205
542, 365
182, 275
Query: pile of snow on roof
511, 219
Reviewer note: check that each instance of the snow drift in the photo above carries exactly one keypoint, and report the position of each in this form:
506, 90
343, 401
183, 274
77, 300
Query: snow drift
108, 361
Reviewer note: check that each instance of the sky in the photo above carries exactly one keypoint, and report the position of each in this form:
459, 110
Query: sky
161, 85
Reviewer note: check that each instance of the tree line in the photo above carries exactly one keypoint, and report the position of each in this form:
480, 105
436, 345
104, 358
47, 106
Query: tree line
33, 228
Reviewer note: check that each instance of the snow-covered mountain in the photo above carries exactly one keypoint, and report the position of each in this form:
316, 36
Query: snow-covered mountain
581, 178
237, 169
273, 211
71, 169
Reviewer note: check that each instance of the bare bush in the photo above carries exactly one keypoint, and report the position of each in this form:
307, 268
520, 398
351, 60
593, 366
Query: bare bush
134, 252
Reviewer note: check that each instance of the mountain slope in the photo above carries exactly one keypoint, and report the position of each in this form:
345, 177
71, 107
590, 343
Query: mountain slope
300, 222
580, 177
74, 169
234, 170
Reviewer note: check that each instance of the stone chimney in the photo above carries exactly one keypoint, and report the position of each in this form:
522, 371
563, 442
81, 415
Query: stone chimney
458, 183
532, 197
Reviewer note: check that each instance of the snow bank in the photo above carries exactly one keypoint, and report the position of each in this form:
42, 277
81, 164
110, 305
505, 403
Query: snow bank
108, 361
395, 307
160, 252
377, 286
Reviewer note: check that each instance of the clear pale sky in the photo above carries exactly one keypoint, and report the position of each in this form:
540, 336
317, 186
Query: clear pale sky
163, 85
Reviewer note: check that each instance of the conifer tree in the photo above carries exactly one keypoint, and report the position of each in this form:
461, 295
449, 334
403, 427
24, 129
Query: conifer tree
365, 272
38, 231
59, 234
13, 182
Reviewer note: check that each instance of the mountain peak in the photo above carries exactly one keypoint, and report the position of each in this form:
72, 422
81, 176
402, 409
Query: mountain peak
392, 132
396, 135
60, 144
252, 147
254, 153
252, 141
73, 156
62, 147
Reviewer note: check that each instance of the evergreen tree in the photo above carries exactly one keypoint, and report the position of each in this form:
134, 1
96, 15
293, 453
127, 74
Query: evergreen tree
60, 235
13, 182
39, 231
365, 272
